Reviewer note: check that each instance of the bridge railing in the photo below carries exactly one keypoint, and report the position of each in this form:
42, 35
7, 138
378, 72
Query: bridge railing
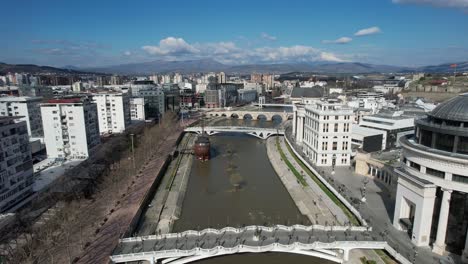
247, 228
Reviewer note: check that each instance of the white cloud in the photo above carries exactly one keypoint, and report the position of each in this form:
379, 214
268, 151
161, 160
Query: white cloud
230, 53
463, 4
342, 40
171, 46
127, 53
266, 36
367, 31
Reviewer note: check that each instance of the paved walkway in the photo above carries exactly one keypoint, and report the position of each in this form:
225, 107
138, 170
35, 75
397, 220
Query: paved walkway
309, 202
166, 204
378, 209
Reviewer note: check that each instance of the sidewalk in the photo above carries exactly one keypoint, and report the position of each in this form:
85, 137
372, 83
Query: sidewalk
378, 210
311, 203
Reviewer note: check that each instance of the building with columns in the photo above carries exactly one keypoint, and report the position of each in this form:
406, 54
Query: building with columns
431, 199
323, 128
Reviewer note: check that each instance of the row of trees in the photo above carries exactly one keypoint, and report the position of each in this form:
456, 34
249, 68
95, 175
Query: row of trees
86, 197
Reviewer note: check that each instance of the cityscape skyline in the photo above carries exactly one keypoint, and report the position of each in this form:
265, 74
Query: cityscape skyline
100, 34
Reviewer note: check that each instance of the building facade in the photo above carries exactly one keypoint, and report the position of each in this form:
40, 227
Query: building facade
155, 102
326, 133
137, 109
113, 112
71, 127
395, 125
28, 108
16, 168
432, 193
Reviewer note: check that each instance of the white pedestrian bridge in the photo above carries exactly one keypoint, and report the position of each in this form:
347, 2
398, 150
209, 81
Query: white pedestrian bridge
327, 242
262, 133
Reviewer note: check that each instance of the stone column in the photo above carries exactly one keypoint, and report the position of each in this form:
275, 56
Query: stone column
439, 244
294, 123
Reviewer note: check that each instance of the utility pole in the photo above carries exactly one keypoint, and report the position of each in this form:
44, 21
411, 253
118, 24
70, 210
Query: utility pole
133, 151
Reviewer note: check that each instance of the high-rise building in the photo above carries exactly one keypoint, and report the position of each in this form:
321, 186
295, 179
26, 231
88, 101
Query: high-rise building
154, 78
71, 127
77, 87
177, 78
137, 109
324, 130
16, 168
136, 86
221, 77
101, 81
256, 78
113, 112
115, 80
155, 103
27, 109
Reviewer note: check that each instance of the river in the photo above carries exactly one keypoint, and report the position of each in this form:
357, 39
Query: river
237, 187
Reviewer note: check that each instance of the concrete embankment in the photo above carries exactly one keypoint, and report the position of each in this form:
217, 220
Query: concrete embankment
310, 200
166, 205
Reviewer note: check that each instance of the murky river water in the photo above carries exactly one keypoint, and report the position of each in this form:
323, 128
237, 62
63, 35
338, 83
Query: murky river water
237, 187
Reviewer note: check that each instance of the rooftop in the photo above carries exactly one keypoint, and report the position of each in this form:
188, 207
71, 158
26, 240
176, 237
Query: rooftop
455, 109
19, 98
314, 92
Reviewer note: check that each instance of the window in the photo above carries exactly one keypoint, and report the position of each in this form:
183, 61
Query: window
335, 146
436, 173
415, 166
459, 178
345, 146
336, 127
336, 117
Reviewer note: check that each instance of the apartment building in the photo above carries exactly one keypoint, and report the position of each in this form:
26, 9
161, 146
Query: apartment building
16, 168
28, 109
71, 127
113, 112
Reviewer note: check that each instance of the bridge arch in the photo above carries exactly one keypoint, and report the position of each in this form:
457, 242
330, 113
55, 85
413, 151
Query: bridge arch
248, 116
262, 117
221, 251
277, 117
234, 115
223, 115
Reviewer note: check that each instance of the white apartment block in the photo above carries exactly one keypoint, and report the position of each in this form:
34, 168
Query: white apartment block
28, 109
325, 128
137, 109
70, 127
16, 168
113, 112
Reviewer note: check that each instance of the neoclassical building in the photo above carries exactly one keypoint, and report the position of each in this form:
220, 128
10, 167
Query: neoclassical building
323, 129
431, 200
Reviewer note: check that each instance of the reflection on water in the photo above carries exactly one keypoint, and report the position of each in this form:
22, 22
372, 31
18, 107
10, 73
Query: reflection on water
239, 187
270, 258
236, 187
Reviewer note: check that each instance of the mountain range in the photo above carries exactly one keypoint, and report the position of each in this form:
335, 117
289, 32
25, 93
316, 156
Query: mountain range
36, 69
209, 65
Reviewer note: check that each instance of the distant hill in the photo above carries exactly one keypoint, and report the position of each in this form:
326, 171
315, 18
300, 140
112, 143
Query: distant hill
207, 65
34, 69
210, 65
461, 67
189, 66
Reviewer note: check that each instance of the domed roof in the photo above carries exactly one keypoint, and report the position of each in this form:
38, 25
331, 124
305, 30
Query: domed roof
455, 109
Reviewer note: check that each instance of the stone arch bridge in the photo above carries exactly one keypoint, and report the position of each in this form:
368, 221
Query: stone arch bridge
254, 115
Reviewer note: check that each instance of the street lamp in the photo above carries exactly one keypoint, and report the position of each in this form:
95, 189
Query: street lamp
333, 164
365, 181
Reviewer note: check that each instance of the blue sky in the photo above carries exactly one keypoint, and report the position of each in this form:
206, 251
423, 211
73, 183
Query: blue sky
96, 33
